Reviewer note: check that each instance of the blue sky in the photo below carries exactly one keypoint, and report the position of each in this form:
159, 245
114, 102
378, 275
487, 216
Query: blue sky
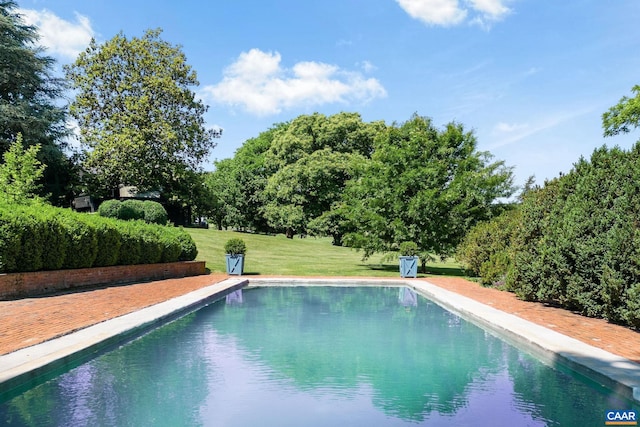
530, 77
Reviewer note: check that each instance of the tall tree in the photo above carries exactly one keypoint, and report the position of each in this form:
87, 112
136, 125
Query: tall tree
140, 121
423, 185
29, 100
310, 160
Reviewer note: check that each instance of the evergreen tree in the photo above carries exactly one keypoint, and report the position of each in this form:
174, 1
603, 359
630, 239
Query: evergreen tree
28, 95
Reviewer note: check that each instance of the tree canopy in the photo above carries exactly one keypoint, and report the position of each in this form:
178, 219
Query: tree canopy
291, 174
369, 185
311, 159
237, 184
30, 100
140, 121
624, 116
302, 191
423, 185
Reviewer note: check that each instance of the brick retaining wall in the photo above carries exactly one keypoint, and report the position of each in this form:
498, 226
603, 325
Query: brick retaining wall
15, 285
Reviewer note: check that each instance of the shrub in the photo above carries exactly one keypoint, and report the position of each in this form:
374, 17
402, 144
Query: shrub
578, 243
32, 245
53, 239
10, 244
32, 238
154, 213
235, 246
110, 208
408, 249
108, 239
485, 250
150, 245
188, 249
131, 209
171, 247
147, 210
38, 236
82, 243
131, 247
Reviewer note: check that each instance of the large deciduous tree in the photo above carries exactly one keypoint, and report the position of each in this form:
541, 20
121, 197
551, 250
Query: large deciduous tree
140, 121
291, 175
423, 185
29, 94
312, 158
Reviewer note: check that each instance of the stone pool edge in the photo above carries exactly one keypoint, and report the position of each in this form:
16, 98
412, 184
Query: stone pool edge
26, 365
615, 372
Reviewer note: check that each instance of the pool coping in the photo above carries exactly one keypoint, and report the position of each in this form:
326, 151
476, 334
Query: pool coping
29, 365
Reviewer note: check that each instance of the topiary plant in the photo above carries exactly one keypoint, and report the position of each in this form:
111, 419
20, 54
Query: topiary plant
235, 246
131, 209
110, 208
408, 249
154, 213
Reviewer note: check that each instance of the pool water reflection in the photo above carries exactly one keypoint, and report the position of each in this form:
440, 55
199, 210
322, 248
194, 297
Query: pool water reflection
315, 356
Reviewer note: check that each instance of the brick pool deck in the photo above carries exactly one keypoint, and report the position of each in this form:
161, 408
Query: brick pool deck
29, 321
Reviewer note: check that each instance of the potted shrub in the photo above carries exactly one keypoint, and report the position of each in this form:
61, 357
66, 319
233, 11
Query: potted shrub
408, 259
235, 250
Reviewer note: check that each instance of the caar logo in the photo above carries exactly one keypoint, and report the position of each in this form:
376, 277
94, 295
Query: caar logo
620, 418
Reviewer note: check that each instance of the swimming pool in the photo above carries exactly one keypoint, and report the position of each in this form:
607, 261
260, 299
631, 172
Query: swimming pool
316, 356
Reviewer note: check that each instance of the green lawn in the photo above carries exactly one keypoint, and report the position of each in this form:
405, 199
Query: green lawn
277, 255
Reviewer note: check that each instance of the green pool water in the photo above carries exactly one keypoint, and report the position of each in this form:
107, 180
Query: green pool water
315, 356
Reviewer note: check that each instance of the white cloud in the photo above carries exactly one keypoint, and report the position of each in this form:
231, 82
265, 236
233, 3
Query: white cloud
452, 12
60, 37
494, 9
257, 82
502, 128
506, 134
436, 12
367, 66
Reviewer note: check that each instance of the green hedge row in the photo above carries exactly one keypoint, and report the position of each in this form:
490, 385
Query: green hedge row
574, 242
41, 237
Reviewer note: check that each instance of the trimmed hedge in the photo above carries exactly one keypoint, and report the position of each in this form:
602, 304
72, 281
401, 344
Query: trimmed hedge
579, 241
147, 210
574, 242
110, 208
154, 213
41, 237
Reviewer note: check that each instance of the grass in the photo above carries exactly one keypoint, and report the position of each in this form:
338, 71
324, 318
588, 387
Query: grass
277, 255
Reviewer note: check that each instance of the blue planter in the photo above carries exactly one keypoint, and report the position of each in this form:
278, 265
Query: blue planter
408, 266
235, 264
